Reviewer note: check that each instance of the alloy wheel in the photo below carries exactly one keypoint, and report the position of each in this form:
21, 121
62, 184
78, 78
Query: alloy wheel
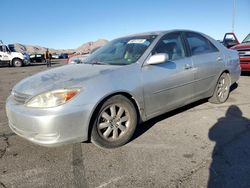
113, 122
223, 88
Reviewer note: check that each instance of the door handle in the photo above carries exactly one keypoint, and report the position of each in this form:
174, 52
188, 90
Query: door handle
219, 60
187, 66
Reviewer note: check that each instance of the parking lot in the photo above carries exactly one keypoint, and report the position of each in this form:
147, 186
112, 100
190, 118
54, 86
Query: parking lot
200, 145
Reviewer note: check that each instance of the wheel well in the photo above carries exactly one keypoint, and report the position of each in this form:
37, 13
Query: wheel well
127, 95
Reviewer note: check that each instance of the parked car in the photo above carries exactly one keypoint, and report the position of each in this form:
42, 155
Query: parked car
73, 54
130, 80
63, 56
77, 59
26, 55
55, 56
37, 58
244, 52
10, 57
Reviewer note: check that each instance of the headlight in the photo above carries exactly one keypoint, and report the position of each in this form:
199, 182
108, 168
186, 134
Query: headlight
52, 98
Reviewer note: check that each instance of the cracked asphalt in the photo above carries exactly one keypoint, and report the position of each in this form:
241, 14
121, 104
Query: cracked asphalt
199, 145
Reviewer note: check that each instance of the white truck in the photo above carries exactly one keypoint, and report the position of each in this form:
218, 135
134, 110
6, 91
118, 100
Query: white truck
11, 57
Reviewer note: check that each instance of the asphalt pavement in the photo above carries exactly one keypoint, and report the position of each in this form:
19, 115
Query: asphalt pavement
199, 145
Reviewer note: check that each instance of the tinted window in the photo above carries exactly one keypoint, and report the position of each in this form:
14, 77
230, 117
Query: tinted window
199, 44
4, 48
171, 44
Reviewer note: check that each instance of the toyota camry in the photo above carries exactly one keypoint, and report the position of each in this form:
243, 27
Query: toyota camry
128, 81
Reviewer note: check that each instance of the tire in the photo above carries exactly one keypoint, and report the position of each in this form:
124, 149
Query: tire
222, 90
115, 123
17, 62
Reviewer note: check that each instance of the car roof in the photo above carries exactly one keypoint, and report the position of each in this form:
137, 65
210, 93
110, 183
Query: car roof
160, 32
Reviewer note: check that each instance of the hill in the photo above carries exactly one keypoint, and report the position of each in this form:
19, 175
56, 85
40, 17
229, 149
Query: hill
83, 49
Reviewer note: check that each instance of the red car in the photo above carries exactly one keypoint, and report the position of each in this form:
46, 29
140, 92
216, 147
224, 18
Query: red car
244, 51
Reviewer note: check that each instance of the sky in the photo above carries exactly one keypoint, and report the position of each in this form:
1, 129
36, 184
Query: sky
64, 24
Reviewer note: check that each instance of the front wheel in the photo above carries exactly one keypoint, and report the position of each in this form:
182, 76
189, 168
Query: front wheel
222, 90
115, 123
17, 63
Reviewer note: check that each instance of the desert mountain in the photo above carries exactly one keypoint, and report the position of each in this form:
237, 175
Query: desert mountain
88, 47
83, 49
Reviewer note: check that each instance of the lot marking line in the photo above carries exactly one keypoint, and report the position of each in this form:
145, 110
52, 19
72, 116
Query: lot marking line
78, 167
110, 181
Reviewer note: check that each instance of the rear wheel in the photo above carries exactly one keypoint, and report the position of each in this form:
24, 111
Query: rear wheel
222, 90
115, 123
17, 62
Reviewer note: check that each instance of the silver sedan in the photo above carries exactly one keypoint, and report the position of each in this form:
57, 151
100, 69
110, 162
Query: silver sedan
130, 80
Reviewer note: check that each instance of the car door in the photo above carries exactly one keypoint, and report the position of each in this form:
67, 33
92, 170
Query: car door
4, 55
169, 84
207, 62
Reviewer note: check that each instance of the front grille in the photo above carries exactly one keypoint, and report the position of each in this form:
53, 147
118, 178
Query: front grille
20, 98
244, 53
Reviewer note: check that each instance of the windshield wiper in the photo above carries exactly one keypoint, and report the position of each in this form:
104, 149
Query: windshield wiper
95, 62
119, 64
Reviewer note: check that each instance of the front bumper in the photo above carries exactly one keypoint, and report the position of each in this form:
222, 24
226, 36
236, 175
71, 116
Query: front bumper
49, 127
245, 63
26, 61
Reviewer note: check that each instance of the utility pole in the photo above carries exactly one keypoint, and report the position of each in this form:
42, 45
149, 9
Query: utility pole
233, 19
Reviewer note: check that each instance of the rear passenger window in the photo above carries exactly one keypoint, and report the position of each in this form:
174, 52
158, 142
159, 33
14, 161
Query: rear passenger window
199, 44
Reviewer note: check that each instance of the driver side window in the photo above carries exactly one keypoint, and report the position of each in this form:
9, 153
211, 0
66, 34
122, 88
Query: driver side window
171, 44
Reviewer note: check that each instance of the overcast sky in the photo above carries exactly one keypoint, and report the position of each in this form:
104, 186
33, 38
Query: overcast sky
70, 23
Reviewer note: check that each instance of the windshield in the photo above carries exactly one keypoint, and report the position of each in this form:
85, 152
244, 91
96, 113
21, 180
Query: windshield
247, 39
123, 51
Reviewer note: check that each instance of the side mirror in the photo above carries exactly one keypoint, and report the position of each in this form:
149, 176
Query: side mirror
158, 58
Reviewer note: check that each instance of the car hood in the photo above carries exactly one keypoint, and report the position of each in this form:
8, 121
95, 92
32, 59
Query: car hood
242, 46
68, 76
17, 54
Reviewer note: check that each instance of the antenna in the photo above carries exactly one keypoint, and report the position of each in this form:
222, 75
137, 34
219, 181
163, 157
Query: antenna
233, 19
